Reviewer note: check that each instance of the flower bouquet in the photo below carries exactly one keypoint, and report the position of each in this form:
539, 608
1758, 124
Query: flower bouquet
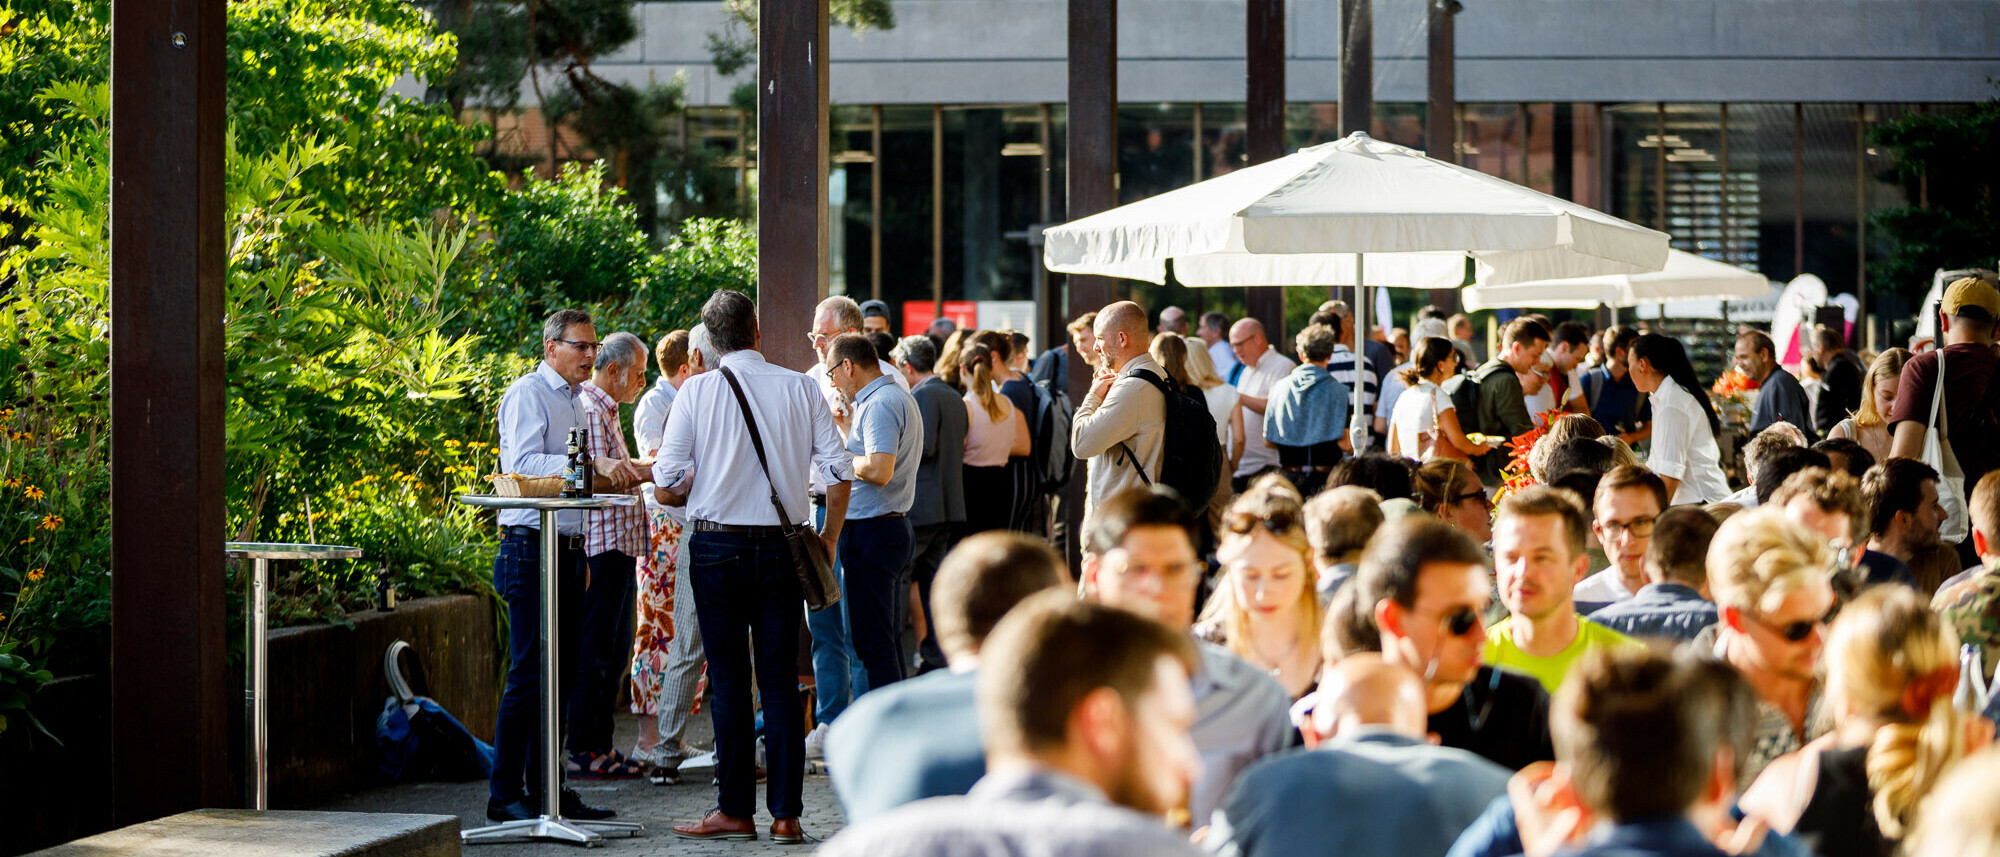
1733, 396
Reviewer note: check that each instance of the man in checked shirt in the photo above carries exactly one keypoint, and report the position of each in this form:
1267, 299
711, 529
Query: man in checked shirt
613, 539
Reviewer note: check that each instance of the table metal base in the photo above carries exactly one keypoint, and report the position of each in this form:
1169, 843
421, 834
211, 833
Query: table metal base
589, 834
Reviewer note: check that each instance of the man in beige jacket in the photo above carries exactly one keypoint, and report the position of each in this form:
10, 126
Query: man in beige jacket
1122, 418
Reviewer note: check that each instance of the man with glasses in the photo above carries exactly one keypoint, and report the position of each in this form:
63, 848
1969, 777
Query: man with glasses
886, 440
536, 415
1139, 555
1770, 581
1259, 370
1537, 557
838, 674
1628, 500
1672, 606
1419, 598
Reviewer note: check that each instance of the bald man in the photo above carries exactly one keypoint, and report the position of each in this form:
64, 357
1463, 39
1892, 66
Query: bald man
1370, 786
1118, 427
1262, 369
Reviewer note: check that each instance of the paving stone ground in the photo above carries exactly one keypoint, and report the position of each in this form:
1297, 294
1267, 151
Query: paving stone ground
658, 807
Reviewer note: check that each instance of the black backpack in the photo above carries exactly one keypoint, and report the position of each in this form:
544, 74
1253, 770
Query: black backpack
1464, 392
1190, 456
1051, 458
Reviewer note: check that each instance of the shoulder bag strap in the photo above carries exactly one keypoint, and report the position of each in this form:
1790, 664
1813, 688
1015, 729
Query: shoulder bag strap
1938, 421
757, 443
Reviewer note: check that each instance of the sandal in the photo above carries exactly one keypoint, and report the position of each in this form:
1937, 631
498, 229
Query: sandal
605, 766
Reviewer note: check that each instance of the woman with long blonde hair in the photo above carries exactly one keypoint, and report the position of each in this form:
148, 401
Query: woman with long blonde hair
997, 432
1892, 670
1869, 426
1267, 610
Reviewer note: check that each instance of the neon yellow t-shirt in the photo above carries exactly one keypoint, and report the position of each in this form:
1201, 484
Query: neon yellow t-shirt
1501, 651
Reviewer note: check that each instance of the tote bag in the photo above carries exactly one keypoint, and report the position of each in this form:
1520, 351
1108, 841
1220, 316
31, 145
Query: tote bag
1937, 454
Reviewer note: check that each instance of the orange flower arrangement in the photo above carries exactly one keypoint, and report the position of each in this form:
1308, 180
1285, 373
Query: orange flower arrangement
1733, 382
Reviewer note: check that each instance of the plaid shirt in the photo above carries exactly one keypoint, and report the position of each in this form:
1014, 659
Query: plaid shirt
618, 528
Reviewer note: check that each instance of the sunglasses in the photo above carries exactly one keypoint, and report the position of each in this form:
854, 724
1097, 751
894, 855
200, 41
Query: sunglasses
1460, 622
1460, 498
1797, 632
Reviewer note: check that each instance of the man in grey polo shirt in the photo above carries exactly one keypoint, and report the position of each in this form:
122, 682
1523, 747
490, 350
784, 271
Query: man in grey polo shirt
886, 438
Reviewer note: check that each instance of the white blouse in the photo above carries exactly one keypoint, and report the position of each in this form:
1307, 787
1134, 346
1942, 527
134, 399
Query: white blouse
1416, 416
1684, 448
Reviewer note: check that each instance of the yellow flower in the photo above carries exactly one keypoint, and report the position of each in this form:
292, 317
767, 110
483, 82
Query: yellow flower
28, 540
450, 444
34, 575
423, 452
12, 483
3, 617
33, 493
52, 522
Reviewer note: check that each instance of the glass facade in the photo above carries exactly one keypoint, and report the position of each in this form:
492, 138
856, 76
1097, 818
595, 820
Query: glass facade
938, 202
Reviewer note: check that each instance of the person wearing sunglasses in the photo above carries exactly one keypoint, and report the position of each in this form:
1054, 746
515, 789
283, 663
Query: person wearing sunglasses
1538, 557
1770, 579
1419, 598
1449, 489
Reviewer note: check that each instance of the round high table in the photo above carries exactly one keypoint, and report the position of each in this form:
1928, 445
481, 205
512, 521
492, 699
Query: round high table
550, 824
256, 660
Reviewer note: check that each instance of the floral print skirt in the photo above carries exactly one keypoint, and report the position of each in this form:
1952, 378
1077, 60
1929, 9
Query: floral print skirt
655, 628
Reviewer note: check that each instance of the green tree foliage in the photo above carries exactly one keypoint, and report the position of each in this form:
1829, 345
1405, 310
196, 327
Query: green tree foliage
42, 43
1951, 161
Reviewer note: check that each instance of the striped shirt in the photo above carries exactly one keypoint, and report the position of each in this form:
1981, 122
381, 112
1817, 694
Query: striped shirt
616, 528
1341, 366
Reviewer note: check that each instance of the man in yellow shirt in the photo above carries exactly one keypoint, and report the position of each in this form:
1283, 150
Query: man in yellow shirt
1538, 557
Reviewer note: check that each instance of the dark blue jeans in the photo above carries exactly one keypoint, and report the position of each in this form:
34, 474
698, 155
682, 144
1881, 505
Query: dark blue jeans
746, 591
517, 737
606, 646
875, 553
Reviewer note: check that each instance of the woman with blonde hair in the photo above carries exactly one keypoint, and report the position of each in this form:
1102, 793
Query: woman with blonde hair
1892, 668
1449, 489
1869, 426
1188, 364
1267, 611
1424, 423
998, 431
948, 362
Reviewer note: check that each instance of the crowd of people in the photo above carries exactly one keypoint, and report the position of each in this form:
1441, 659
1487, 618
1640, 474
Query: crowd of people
1311, 614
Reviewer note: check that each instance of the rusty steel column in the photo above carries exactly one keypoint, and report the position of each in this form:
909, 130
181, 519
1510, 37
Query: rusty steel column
172, 699
1093, 187
1264, 138
792, 219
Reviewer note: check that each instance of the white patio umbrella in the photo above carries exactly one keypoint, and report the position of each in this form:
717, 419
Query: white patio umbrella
1685, 277
1353, 212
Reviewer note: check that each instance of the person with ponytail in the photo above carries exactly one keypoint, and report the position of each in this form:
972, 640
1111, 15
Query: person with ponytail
998, 432
1685, 453
1424, 424
1020, 392
1892, 670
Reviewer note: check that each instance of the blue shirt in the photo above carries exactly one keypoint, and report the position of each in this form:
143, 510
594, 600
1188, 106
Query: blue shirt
536, 414
1496, 834
886, 420
1371, 794
1618, 407
1669, 610
911, 740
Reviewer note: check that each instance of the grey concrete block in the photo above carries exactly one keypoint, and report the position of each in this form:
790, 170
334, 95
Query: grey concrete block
276, 833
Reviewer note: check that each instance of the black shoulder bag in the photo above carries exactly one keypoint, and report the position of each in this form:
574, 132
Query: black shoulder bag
809, 554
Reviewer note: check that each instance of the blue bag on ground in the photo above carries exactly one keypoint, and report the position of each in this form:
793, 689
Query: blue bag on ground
416, 739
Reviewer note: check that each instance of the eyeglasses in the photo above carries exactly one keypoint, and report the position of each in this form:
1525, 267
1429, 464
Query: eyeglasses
817, 338
1640, 527
1460, 498
1460, 622
580, 345
1167, 572
1796, 632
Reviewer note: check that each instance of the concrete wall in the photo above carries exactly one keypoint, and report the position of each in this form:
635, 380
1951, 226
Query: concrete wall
1001, 51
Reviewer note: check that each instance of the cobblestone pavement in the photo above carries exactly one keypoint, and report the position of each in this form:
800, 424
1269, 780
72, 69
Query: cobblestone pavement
658, 807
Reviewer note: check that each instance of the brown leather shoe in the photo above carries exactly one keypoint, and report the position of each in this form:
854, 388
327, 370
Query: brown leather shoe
786, 831
715, 825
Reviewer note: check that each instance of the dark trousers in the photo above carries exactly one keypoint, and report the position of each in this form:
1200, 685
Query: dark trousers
609, 612
876, 554
517, 737
746, 591
932, 542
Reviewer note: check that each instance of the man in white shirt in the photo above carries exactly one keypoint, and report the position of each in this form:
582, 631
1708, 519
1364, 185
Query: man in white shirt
1569, 342
649, 417
1262, 369
744, 578
1628, 500
1214, 330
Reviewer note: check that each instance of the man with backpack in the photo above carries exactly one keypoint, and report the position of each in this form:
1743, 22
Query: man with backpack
1135, 428
1491, 397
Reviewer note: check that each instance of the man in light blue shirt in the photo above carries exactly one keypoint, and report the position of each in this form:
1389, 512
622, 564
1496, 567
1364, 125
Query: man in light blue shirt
1370, 786
536, 414
920, 738
886, 438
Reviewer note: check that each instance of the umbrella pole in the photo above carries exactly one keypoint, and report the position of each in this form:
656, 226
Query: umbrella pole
1357, 423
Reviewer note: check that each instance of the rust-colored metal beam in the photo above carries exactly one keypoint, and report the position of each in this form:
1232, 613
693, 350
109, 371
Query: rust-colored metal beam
792, 140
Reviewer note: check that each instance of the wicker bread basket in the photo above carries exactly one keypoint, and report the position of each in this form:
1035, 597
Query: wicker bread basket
517, 485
